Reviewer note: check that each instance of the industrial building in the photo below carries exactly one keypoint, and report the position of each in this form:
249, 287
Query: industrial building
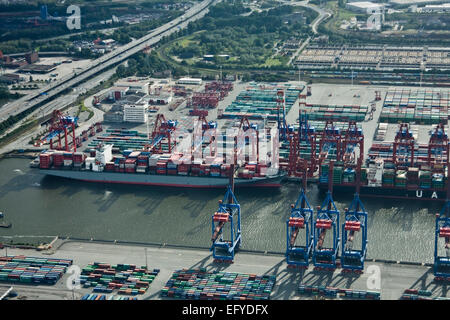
117, 93
134, 85
439, 8
10, 78
32, 57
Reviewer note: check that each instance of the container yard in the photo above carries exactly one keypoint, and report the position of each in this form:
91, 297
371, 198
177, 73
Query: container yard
374, 56
258, 101
127, 279
422, 106
32, 270
196, 276
336, 113
345, 153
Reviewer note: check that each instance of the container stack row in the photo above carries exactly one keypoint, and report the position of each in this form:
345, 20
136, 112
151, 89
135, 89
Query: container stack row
258, 101
415, 294
105, 297
126, 278
197, 284
122, 139
331, 292
426, 106
336, 113
31, 270
341, 174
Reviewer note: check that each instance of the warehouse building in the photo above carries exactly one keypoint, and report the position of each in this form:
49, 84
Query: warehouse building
364, 7
191, 81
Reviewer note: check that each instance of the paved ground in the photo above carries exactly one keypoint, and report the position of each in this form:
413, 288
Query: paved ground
392, 279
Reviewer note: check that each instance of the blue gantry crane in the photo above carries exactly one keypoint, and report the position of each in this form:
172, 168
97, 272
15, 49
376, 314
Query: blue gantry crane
301, 218
227, 216
327, 220
352, 259
442, 262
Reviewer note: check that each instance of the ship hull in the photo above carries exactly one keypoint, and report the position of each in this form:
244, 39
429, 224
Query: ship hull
390, 192
163, 180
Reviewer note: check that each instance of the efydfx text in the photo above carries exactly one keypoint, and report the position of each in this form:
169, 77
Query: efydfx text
231, 309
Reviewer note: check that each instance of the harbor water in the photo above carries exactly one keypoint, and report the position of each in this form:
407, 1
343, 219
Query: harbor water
39, 205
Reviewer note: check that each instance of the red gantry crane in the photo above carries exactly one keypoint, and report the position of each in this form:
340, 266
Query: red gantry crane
162, 135
62, 127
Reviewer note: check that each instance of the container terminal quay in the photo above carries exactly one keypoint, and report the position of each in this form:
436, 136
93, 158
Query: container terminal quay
320, 230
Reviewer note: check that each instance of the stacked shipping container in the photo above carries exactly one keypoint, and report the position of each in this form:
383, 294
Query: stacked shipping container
427, 106
201, 285
127, 278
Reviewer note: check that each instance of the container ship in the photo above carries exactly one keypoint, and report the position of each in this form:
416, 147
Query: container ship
144, 168
402, 169
381, 179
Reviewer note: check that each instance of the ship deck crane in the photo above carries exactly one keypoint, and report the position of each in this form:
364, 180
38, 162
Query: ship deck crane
352, 142
246, 137
300, 143
438, 149
281, 115
327, 220
331, 138
301, 218
202, 131
352, 259
403, 150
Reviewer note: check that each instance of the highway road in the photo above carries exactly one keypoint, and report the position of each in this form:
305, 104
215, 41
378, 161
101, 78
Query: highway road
59, 103
106, 61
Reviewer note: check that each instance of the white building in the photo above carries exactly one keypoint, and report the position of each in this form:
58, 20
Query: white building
135, 113
193, 81
108, 42
364, 7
